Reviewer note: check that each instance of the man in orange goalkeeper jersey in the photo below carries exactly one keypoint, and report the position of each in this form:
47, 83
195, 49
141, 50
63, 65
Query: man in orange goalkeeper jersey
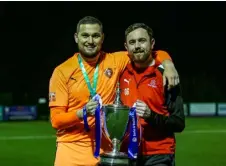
77, 80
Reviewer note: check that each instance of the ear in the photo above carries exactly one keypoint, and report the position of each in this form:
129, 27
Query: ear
103, 37
76, 37
152, 43
125, 45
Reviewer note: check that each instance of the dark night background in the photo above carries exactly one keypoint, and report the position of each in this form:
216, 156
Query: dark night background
37, 36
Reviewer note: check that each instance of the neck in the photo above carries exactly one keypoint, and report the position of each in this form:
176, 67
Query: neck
149, 62
91, 60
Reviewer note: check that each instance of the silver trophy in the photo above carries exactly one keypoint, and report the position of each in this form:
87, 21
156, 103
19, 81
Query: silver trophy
116, 116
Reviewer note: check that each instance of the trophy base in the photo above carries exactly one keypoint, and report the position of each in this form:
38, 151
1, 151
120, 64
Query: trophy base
114, 159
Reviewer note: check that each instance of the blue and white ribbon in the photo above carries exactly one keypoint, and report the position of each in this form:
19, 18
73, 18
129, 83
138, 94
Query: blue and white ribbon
86, 125
98, 131
133, 134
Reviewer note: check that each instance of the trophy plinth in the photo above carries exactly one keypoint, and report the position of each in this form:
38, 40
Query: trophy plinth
116, 117
115, 157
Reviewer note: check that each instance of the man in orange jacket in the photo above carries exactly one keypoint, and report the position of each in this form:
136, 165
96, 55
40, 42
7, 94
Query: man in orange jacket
73, 87
159, 109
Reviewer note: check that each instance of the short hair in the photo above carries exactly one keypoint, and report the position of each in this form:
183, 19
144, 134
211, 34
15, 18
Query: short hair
89, 20
139, 25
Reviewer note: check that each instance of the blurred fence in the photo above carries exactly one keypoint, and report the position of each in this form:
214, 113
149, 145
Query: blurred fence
205, 109
41, 111
24, 112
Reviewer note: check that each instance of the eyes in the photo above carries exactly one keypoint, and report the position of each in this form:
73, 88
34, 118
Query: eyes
95, 36
141, 41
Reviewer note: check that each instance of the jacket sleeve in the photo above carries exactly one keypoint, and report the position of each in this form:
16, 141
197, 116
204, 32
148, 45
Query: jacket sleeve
175, 122
176, 119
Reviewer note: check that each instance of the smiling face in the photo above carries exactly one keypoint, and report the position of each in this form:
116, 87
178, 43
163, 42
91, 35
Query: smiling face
139, 45
89, 39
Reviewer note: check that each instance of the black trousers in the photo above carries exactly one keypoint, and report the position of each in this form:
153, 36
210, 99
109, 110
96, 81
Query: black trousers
154, 160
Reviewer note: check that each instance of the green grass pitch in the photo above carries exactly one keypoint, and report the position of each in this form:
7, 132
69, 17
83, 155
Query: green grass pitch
203, 143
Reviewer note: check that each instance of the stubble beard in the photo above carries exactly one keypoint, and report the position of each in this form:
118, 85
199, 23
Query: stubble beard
88, 55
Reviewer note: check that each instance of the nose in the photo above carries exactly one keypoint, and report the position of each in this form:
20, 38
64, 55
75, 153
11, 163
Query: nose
90, 40
137, 45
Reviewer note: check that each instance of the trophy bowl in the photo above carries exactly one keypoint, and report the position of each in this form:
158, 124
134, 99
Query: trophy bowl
116, 119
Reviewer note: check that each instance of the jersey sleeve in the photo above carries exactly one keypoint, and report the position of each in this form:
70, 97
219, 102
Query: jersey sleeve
58, 93
61, 119
122, 60
162, 55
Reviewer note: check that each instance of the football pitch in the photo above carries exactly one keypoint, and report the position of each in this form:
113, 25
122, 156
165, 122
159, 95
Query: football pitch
203, 143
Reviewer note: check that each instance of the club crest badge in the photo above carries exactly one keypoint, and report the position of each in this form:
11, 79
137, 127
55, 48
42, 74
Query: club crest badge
52, 96
108, 72
126, 91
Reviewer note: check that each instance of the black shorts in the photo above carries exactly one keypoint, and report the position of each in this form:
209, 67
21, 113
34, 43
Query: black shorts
154, 160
